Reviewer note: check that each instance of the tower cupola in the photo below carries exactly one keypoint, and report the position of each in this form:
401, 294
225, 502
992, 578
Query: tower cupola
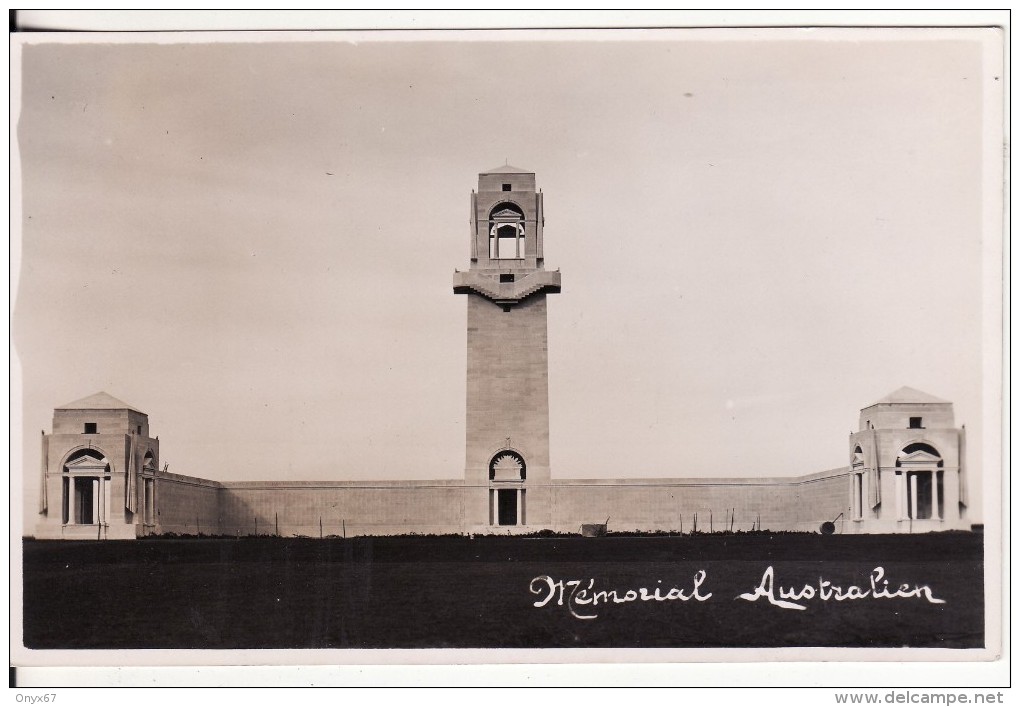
507, 261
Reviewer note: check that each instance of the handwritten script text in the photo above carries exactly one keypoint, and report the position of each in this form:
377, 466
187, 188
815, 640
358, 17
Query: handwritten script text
581, 597
780, 596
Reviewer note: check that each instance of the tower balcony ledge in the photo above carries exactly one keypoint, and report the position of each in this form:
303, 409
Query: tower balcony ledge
491, 288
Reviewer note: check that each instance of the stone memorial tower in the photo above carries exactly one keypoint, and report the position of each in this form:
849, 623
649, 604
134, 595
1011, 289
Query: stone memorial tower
99, 472
907, 466
506, 285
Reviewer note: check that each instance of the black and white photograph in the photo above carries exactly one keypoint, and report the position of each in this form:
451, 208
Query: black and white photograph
602, 345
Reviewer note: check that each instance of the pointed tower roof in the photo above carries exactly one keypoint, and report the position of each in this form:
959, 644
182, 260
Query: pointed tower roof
98, 401
908, 395
507, 169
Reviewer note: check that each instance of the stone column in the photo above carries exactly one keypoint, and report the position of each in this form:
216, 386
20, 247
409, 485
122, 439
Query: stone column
853, 492
900, 501
70, 500
858, 498
913, 496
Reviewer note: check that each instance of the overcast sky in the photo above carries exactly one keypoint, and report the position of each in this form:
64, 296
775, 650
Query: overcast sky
253, 242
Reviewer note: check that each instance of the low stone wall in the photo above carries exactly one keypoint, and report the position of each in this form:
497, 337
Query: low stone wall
192, 506
186, 505
676, 505
343, 509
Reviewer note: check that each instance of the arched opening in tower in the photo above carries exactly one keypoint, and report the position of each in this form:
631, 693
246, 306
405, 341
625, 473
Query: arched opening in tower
506, 232
86, 488
919, 484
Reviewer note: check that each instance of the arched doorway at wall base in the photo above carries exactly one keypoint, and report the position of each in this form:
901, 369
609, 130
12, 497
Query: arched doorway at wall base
507, 473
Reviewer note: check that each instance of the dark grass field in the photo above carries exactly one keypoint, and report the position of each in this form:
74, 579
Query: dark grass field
454, 592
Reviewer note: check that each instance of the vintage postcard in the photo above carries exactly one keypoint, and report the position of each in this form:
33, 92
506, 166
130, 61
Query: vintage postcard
531, 346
